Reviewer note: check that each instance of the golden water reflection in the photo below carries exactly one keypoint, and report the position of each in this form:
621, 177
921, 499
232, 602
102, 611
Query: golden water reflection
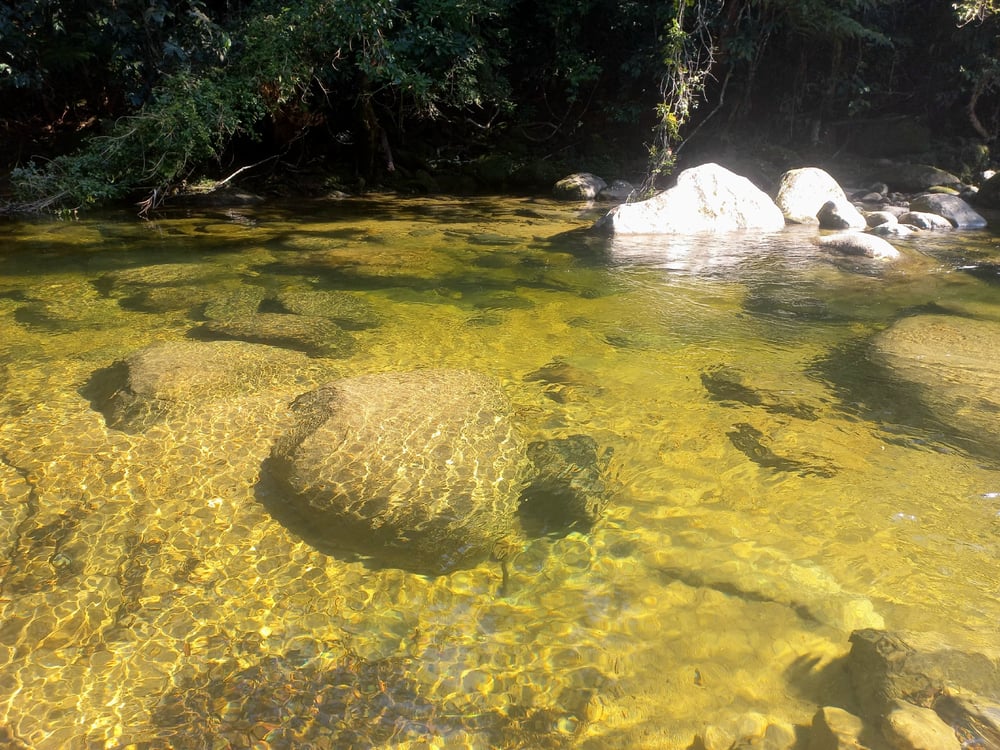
149, 600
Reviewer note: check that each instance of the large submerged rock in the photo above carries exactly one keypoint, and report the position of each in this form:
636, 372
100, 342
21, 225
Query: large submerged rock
708, 198
421, 470
954, 363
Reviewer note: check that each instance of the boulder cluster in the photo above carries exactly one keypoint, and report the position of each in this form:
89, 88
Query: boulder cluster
710, 198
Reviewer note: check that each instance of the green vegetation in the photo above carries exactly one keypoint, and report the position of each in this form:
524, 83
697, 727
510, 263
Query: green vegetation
110, 100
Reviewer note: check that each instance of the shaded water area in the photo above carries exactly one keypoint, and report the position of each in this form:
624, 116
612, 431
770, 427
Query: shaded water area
776, 487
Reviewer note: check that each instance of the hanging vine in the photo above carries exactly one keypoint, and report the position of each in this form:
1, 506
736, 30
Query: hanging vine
689, 55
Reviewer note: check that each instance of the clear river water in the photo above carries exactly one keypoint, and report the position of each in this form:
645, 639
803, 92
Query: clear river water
776, 488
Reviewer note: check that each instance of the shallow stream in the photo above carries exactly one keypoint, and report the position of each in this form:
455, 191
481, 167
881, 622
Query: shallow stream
777, 489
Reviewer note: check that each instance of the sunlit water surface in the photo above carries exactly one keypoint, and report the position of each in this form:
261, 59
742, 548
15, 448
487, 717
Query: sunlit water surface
776, 491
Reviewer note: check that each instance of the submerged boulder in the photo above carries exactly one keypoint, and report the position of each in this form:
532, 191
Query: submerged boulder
318, 337
421, 470
571, 486
179, 378
708, 198
953, 362
347, 310
895, 672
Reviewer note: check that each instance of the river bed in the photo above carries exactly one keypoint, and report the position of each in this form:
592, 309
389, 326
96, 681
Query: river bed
776, 490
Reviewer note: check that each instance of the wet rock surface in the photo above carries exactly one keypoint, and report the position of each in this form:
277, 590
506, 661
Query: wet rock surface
909, 727
923, 692
918, 668
836, 729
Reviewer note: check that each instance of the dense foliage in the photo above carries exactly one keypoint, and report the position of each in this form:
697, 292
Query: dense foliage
109, 99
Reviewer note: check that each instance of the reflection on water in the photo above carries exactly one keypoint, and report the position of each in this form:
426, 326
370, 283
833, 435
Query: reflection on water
777, 490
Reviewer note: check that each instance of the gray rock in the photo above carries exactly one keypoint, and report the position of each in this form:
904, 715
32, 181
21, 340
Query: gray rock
915, 177
803, 192
708, 198
859, 243
318, 337
840, 214
923, 220
909, 727
951, 207
421, 470
877, 218
617, 191
893, 230
954, 362
582, 186
180, 377
869, 197
836, 729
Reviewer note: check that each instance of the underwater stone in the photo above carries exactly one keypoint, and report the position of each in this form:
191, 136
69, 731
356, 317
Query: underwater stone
420, 470
181, 377
953, 360
909, 727
346, 309
318, 337
571, 484
238, 303
886, 667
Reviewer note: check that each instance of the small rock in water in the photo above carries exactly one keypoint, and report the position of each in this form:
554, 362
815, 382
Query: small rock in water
836, 729
909, 727
859, 243
924, 220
